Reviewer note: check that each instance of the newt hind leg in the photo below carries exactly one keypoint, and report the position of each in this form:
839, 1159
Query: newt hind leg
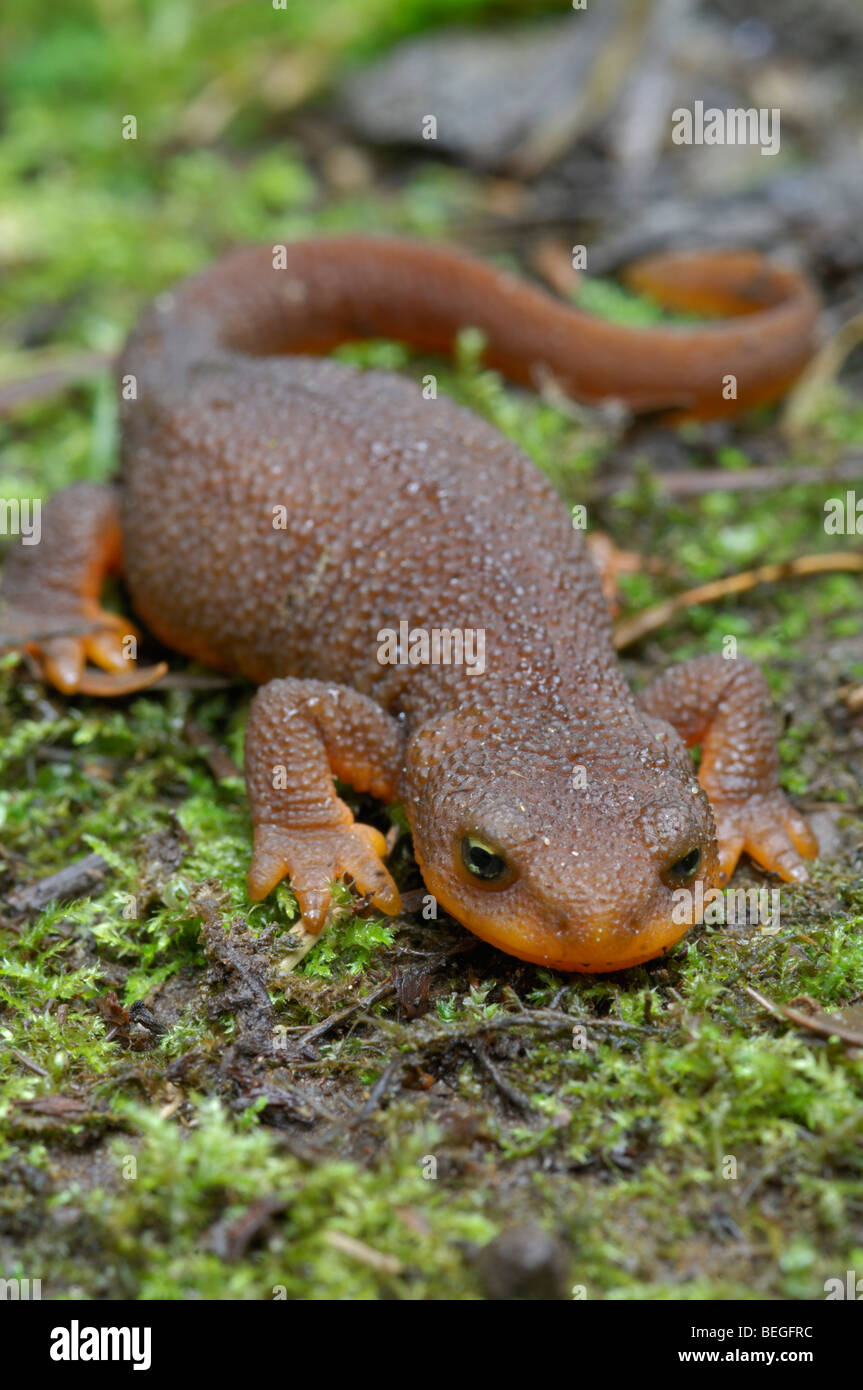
725, 706
49, 598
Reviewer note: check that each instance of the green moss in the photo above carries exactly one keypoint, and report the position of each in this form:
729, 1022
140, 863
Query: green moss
609, 300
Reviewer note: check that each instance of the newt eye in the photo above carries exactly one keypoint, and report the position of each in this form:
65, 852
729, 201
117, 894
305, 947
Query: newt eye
482, 860
687, 867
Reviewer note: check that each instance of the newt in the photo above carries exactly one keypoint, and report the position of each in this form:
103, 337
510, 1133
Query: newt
278, 514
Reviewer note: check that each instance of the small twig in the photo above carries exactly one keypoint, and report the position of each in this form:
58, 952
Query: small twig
73, 881
824, 1024
822, 371
590, 98
181, 680
218, 761
304, 1108
231, 1239
555, 1016
320, 1030
696, 481
382, 1086
29, 1063
512, 1094
47, 381
364, 1254
804, 803
551, 258
633, 629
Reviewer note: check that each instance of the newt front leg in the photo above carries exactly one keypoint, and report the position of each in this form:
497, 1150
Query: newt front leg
50, 598
302, 733
725, 706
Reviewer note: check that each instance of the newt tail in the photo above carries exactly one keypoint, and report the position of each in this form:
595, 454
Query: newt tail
330, 291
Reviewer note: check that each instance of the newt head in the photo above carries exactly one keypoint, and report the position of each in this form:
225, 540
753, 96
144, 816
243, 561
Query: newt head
569, 846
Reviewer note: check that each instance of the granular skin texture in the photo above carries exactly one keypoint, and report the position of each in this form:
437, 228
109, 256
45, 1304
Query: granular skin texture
283, 517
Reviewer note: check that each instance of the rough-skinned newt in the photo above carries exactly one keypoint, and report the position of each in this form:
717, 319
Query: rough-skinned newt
277, 515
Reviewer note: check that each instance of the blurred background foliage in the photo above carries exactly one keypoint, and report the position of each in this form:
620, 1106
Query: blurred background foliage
82, 209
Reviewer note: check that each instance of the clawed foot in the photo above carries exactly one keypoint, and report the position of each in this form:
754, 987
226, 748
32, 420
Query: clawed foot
63, 642
312, 859
770, 831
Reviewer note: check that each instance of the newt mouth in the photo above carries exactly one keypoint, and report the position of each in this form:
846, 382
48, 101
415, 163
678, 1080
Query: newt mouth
582, 948
582, 956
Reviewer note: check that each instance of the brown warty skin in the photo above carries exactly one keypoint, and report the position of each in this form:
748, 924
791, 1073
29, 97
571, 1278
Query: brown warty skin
277, 513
